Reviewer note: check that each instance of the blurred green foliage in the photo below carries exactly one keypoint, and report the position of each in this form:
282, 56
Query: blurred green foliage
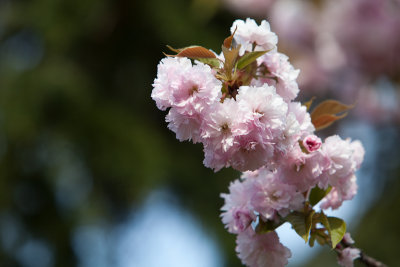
81, 140
76, 112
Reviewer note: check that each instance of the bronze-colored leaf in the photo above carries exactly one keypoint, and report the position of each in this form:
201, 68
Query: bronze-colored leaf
329, 107
228, 40
327, 112
196, 52
176, 50
326, 120
168, 55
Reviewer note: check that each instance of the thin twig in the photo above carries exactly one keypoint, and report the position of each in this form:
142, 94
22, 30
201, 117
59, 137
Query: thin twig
364, 258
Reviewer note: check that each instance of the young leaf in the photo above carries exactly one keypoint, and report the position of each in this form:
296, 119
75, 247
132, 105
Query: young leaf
329, 107
196, 52
228, 40
301, 223
176, 50
249, 58
326, 120
326, 112
309, 103
230, 59
317, 194
338, 229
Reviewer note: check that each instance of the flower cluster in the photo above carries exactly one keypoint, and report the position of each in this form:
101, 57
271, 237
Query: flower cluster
270, 195
241, 106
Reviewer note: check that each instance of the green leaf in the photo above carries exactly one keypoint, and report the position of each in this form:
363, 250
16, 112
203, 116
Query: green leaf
268, 226
249, 58
317, 194
338, 229
320, 240
301, 223
321, 217
213, 62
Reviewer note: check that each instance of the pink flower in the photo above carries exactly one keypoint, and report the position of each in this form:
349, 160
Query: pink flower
339, 152
303, 118
345, 157
358, 152
303, 170
279, 73
269, 195
266, 108
347, 239
196, 89
266, 117
260, 192
168, 72
345, 190
189, 90
216, 158
261, 250
252, 152
223, 124
312, 143
245, 132
289, 138
248, 33
237, 214
188, 87
347, 256
186, 125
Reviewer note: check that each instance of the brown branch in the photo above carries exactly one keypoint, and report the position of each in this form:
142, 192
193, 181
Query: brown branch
369, 261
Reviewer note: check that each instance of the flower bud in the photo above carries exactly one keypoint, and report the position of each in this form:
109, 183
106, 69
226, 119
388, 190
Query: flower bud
312, 143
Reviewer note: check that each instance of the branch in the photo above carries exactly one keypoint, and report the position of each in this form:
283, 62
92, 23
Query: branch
364, 258
369, 261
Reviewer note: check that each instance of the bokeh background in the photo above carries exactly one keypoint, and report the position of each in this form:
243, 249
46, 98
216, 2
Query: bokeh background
90, 175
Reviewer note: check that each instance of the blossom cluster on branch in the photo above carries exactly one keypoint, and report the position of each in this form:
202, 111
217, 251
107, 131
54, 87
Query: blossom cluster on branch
241, 106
